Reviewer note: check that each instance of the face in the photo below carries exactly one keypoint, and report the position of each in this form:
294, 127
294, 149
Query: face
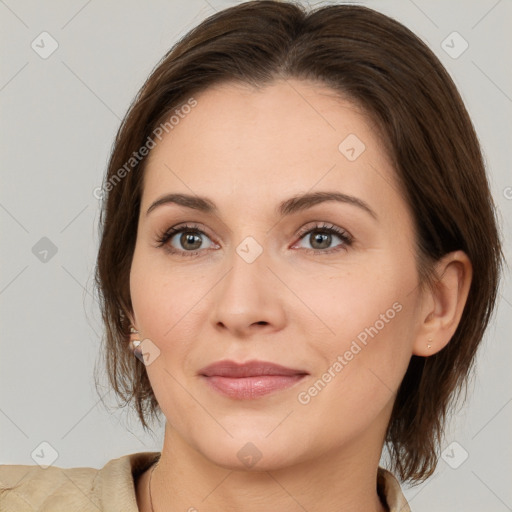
325, 285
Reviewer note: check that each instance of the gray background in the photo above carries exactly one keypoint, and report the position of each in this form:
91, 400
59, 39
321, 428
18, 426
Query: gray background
58, 119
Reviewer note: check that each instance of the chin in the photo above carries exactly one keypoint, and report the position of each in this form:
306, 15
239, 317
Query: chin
252, 451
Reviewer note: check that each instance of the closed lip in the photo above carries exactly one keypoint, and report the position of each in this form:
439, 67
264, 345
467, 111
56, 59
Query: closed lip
235, 370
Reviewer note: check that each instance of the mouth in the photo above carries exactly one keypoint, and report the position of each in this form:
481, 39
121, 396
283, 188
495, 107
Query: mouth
250, 380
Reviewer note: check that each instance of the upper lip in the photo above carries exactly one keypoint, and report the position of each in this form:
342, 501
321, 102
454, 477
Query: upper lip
248, 369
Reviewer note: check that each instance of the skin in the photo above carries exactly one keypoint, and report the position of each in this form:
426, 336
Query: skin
247, 150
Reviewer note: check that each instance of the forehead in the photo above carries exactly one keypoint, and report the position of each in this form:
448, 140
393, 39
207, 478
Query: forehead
287, 118
287, 137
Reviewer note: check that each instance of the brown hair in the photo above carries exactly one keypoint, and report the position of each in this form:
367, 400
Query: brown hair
382, 66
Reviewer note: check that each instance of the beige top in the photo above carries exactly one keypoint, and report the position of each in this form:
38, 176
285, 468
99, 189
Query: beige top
25, 488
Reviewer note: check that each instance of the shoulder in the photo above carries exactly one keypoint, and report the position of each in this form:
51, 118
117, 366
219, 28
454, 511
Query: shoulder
390, 490
28, 488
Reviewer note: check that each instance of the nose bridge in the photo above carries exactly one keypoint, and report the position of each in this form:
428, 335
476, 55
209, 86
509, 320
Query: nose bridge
247, 294
247, 275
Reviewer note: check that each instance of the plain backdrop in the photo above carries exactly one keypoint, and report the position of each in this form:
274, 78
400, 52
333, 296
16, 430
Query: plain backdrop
58, 117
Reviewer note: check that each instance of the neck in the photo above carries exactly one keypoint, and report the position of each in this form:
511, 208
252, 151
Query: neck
185, 480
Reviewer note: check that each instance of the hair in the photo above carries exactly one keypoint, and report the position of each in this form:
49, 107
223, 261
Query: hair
384, 68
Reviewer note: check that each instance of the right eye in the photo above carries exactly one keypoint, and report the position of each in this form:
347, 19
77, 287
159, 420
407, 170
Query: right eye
185, 240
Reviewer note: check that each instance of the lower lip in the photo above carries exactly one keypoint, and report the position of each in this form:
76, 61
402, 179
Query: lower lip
247, 388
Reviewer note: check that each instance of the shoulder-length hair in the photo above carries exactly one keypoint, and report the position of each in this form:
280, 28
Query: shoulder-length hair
391, 74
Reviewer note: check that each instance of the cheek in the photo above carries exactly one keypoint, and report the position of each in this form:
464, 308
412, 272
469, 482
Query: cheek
369, 318
162, 297
170, 305
363, 366
162, 304
355, 298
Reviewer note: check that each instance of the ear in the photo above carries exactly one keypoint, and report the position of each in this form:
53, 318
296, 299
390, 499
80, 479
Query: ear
443, 305
135, 339
134, 336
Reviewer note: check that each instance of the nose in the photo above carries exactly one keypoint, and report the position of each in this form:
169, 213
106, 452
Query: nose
249, 299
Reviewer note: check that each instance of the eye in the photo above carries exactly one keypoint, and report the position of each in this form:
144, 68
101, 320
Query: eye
185, 240
321, 236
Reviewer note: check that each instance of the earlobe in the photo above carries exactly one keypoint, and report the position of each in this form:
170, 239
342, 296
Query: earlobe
134, 338
448, 298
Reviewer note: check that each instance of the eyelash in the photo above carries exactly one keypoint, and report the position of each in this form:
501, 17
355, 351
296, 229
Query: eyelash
323, 228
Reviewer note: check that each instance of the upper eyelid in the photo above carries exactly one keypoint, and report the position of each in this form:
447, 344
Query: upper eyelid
319, 225
316, 224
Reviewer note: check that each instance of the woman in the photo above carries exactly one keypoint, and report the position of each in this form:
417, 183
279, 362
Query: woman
300, 248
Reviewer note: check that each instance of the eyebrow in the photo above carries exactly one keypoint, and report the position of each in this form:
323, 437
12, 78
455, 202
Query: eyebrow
289, 206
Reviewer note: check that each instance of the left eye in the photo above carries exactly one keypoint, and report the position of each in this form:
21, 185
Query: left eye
321, 238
